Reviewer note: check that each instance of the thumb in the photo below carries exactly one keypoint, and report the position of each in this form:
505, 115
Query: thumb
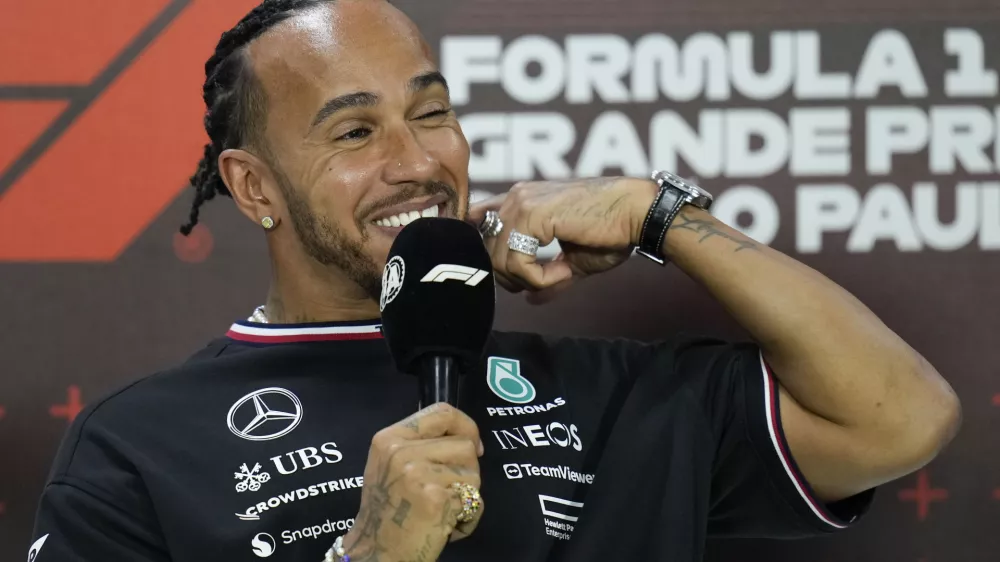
477, 211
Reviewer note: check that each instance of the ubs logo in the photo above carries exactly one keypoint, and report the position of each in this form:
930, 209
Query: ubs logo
555, 433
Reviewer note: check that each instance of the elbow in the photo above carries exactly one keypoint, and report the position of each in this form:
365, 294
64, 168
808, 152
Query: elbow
934, 416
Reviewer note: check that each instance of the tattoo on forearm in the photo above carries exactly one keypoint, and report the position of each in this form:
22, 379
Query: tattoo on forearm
708, 230
401, 512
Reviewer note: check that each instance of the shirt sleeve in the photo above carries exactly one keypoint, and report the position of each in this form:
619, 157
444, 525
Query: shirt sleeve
757, 489
95, 507
76, 525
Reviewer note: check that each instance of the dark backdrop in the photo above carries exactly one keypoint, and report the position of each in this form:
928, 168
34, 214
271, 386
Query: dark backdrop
100, 126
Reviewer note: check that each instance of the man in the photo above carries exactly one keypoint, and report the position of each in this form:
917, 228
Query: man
331, 128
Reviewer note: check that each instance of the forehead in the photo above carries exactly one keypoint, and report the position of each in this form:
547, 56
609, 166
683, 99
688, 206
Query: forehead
337, 48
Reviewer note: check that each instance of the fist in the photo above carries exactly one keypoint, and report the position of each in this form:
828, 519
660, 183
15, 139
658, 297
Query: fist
597, 222
409, 509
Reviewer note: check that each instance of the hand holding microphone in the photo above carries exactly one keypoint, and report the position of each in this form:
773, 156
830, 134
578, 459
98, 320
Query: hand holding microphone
422, 477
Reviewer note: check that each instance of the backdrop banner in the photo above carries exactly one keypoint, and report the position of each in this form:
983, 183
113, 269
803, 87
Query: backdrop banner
862, 138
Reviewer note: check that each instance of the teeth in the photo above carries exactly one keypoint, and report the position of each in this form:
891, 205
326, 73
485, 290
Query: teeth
403, 219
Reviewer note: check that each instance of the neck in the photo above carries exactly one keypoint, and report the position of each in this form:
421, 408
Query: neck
315, 294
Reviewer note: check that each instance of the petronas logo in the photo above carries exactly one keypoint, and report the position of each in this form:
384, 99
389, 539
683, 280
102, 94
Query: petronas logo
504, 378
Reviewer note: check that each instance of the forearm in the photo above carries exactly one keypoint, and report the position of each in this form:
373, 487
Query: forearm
830, 353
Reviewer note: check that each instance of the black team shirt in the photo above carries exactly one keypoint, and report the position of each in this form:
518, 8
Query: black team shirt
596, 450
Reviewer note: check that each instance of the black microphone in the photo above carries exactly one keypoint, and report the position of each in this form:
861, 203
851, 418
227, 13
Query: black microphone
438, 301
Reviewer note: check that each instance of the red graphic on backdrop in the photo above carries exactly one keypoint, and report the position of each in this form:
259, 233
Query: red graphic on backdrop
196, 247
996, 400
71, 408
3, 412
96, 173
924, 495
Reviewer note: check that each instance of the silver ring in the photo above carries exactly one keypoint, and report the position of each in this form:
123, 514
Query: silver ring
523, 243
492, 225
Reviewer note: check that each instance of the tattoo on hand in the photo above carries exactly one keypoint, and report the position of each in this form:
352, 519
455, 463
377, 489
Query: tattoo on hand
708, 230
401, 512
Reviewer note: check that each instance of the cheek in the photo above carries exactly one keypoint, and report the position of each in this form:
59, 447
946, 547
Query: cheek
341, 187
451, 149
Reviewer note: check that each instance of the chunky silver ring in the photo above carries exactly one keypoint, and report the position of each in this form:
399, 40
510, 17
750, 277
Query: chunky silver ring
471, 501
523, 243
492, 225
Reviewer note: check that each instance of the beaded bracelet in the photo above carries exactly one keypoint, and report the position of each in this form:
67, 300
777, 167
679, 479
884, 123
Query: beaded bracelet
337, 552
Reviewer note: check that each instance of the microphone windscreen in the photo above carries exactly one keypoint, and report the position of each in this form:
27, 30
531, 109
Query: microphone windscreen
438, 294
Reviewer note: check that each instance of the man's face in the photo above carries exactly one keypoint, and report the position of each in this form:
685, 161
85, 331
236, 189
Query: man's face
360, 132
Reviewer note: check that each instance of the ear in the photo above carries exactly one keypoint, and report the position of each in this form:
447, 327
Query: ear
251, 184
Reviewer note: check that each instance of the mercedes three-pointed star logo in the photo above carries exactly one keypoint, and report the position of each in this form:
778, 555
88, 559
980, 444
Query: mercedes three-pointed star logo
265, 422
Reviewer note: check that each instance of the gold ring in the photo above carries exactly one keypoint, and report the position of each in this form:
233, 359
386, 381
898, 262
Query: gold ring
471, 501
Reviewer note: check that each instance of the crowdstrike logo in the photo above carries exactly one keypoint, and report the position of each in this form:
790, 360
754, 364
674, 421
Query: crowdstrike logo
517, 471
504, 378
555, 433
392, 281
263, 545
254, 512
265, 414
447, 272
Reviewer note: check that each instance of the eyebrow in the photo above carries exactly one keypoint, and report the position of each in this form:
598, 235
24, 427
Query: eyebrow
346, 101
423, 81
417, 84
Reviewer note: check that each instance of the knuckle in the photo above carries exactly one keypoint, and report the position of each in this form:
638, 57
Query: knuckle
410, 470
382, 440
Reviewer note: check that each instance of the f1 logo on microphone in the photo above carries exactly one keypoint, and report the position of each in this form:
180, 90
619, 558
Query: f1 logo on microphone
513, 471
447, 272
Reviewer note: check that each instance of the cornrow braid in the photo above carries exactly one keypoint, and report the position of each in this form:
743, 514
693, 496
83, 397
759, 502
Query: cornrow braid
234, 99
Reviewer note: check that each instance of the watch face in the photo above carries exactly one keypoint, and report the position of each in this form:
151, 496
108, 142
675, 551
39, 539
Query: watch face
684, 185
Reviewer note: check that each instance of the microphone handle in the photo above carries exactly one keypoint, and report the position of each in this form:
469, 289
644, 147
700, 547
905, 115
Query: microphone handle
438, 379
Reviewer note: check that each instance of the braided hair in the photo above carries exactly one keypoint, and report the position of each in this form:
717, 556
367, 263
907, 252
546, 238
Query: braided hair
234, 99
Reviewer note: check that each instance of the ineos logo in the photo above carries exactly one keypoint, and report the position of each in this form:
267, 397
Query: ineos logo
555, 433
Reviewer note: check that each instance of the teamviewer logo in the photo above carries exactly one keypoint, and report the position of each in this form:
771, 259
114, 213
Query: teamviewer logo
513, 471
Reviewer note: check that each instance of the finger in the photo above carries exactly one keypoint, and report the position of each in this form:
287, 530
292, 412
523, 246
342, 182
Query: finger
438, 420
456, 455
537, 276
508, 283
549, 294
477, 211
464, 529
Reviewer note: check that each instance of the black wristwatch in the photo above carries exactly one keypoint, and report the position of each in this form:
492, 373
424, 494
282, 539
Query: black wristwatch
674, 193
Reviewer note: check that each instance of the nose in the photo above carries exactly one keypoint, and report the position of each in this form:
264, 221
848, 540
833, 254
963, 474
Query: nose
408, 161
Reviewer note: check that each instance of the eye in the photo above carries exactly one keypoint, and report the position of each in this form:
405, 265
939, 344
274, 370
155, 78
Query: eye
356, 134
437, 113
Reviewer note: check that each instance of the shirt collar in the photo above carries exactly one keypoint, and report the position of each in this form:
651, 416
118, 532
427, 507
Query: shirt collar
253, 332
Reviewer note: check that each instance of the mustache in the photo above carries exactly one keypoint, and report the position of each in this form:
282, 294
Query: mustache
405, 194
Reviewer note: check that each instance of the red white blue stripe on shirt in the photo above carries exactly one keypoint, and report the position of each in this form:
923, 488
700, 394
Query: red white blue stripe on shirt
253, 332
781, 447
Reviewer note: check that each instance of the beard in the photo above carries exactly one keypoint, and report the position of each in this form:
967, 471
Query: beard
329, 243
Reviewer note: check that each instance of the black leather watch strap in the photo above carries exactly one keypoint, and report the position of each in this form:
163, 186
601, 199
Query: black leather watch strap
665, 208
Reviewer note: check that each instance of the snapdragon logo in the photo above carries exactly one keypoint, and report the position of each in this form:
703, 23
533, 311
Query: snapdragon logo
263, 545
316, 531
516, 471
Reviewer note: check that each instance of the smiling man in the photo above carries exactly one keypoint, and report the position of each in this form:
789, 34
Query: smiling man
331, 128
